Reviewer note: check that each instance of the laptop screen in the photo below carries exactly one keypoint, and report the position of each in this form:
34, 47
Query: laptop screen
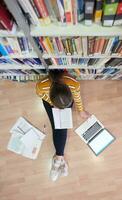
101, 141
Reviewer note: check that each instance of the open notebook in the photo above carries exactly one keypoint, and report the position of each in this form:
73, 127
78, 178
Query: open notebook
25, 139
62, 118
95, 135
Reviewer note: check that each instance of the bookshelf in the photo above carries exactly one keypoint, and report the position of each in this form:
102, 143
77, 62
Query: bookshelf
57, 29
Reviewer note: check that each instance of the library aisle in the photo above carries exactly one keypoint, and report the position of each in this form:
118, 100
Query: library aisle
90, 177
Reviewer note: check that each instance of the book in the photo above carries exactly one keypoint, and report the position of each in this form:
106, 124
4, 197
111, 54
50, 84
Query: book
60, 4
118, 17
29, 11
6, 18
85, 45
56, 9
98, 11
51, 11
68, 11
74, 11
89, 8
80, 10
3, 50
40, 4
109, 12
62, 118
25, 139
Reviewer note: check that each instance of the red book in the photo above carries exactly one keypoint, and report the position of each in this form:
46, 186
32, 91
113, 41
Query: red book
5, 18
118, 17
1, 27
40, 4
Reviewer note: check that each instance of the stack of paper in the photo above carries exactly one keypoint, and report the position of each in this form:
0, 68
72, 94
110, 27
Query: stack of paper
25, 139
62, 118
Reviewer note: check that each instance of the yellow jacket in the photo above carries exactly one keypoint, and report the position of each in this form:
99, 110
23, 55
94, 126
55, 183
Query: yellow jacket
43, 88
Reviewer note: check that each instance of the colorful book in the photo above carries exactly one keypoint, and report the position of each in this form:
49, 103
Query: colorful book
5, 18
85, 45
51, 11
60, 4
68, 11
109, 12
40, 4
118, 17
55, 8
74, 11
89, 8
28, 9
98, 11
80, 10
3, 50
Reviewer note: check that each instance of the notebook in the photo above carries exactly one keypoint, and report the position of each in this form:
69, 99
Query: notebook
62, 118
95, 135
25, 139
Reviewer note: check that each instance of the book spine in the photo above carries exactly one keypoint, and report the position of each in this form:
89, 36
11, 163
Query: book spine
21, 44
68, 11
3, 49
5, 18
74, 11
85, 45
89, 7
98, 11
27, 7
80, 10
40, 4
51, 11
35, 8
109, 11
60, 4
118, 17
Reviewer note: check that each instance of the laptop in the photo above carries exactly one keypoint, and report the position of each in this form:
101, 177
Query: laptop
95, 135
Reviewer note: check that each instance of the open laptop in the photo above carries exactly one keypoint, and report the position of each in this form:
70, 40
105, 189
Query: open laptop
94, 134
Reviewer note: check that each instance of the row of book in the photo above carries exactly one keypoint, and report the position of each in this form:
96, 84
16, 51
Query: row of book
79, 74
17, 45
73, 11
82, 46
98, 62
109, 12
33, 62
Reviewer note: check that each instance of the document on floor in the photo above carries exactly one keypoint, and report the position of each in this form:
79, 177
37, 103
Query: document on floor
25, 139
62, 118
95, 135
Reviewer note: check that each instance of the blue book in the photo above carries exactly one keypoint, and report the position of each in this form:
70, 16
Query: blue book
3, 50
80, 10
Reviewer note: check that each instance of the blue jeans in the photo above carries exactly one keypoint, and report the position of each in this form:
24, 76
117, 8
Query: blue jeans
59, 135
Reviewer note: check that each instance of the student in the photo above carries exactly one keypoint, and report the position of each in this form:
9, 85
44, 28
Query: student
59, 90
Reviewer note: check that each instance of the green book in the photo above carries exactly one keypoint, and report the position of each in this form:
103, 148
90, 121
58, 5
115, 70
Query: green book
109, 12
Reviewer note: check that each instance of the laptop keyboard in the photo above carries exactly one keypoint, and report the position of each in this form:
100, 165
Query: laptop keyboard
91, 131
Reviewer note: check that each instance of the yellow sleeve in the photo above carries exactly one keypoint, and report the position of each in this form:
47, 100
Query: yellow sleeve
39, 90
77, 97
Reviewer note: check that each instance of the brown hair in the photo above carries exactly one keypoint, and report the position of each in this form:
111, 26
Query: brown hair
60, 94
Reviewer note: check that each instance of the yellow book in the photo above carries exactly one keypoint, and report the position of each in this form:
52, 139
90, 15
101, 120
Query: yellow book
98, 15
47, 39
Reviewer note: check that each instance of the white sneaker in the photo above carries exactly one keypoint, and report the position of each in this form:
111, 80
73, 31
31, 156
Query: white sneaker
55, 169
64, 168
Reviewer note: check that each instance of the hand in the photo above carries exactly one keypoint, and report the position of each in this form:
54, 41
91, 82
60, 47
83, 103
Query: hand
85, 115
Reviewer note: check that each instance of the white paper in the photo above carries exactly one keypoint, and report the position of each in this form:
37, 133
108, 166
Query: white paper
62, 118
30, 139
25, 139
